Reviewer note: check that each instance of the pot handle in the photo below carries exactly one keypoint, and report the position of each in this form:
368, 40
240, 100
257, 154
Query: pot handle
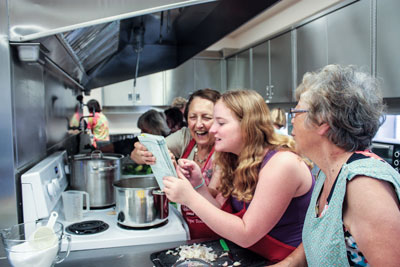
97, 154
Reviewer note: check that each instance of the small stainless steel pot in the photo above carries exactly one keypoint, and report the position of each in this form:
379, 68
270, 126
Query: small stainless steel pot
95, 173
140, 203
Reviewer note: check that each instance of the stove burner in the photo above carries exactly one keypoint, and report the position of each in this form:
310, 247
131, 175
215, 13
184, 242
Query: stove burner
87, 227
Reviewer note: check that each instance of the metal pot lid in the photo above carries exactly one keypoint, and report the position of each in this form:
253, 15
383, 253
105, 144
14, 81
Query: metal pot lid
98, 155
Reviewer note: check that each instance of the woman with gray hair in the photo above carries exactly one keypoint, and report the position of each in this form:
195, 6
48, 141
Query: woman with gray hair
354, 214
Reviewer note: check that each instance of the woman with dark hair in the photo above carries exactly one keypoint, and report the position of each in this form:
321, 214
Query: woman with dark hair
153, 122
354, 213
174, 119
194, 142
267, 186
98, 124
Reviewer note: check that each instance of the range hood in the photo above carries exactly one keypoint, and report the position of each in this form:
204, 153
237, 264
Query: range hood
98, 43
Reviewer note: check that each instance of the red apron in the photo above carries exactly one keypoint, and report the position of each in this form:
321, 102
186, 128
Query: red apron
268, 247
197, 228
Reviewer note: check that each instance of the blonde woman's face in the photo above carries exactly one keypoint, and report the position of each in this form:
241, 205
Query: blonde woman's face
200, 119
226, 129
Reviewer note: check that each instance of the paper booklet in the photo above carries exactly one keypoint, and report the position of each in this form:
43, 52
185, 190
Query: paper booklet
157, 145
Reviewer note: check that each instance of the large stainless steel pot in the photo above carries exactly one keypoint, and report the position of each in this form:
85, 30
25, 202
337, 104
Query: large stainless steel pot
95, 173
140, 203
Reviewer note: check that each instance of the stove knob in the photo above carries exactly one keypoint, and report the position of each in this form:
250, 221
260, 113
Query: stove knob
56, 184
51, 189
66, 169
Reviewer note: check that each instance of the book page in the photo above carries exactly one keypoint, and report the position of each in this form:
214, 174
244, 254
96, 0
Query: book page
157, 145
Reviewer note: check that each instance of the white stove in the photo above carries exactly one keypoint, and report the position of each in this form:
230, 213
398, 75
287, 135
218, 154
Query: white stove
41, 194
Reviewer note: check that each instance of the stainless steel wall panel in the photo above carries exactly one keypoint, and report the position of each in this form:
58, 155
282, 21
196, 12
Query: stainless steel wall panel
349, 35
312, 47
59, 102
32, 19
207, 74
30, 120
43, 103
388, 42
179, 81
8, 188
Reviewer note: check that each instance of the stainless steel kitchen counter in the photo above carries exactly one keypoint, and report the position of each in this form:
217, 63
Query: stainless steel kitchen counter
131, 256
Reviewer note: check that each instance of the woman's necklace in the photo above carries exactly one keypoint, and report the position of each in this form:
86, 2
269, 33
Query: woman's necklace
197, 158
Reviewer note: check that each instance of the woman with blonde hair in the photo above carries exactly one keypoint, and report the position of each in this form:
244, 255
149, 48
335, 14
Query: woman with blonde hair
265, 184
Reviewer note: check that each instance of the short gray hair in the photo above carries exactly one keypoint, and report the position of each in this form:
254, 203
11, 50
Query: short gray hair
348, 100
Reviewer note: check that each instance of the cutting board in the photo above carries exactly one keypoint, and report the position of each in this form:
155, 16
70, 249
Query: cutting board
244, 256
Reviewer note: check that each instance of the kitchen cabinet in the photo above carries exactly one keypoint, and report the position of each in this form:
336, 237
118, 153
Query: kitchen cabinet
231, 73
192, 75
349, 35
341, 37
208, 74
312, 52
161, 88
281, 85
149, 90
261, 68
388, 42
238, 71
272, 69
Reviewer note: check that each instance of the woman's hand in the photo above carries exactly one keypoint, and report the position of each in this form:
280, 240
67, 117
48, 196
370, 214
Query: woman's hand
141, 155
178, 190
190, 170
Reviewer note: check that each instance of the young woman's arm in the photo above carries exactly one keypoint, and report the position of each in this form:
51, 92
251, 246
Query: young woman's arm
283, 177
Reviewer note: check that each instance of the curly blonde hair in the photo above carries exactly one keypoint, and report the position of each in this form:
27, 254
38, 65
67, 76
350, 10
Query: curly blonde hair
239, 174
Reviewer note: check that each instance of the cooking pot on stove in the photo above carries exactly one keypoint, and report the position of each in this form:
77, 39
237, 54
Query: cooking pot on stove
140, 203
95, 173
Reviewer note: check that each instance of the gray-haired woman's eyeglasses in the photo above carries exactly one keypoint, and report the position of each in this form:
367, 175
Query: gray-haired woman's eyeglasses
293, 111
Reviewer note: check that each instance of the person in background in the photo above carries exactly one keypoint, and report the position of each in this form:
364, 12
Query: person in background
179, 102
193, 142
354, 213
174, 119
278, 117
267, 185
153, 122
98, 124
75, 119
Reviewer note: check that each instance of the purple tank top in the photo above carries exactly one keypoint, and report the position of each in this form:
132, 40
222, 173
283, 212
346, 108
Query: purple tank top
289, 228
